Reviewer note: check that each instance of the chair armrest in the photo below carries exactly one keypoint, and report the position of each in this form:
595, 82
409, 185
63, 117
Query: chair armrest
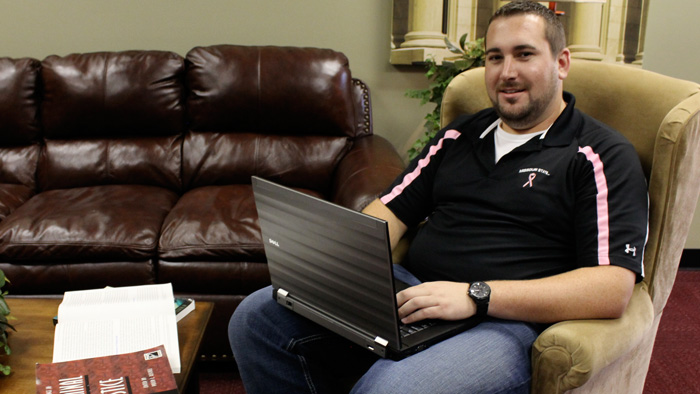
369, 168
567, 354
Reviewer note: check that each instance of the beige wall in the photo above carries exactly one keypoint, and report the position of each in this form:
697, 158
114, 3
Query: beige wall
359, 28
672, 49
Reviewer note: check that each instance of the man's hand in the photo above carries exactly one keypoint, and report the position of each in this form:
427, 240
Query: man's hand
435, 300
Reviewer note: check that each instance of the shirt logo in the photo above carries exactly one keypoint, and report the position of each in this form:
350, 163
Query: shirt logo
532, 175
530, 178
630, 249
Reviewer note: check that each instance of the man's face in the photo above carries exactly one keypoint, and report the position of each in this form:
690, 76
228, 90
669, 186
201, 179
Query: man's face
523, 79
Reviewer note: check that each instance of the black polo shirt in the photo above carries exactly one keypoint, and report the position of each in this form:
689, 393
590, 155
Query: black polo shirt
575, 198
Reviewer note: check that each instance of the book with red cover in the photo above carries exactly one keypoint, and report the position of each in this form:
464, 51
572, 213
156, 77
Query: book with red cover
143, 372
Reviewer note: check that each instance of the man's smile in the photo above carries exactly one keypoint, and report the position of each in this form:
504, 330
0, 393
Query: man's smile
511, 92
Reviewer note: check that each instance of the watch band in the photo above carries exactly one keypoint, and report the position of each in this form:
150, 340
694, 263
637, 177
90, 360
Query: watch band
482, 308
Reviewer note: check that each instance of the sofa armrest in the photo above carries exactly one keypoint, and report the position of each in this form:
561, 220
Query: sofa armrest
370, 167
566, 355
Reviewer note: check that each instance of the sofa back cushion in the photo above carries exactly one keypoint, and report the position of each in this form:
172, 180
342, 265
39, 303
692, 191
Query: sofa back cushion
19, 126
19, 131
112, 117
284, 113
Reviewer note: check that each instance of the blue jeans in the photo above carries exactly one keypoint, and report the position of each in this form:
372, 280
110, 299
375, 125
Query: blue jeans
278, 351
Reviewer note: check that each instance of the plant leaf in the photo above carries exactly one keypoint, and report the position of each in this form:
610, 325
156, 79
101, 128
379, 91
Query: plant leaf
464, 64
4, 308
463, 41
452, 47
472, 55
6, 324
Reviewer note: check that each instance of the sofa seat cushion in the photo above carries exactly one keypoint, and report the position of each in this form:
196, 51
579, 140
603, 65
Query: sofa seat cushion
11, 197
214, 223
101, 223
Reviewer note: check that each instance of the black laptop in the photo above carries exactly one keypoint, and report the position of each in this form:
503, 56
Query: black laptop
333, 266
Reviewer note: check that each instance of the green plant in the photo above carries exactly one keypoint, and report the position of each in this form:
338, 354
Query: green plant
4, 324
471, 54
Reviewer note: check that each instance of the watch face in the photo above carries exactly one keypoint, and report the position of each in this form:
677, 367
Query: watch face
480, 290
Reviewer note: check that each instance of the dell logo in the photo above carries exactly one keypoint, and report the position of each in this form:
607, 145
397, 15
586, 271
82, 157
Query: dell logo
272, 241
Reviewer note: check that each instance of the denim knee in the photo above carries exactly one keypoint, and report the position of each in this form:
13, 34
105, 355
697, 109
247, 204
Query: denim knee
492, 357
280, 351
247, 318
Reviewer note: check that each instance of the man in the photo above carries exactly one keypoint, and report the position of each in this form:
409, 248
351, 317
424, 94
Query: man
536, 213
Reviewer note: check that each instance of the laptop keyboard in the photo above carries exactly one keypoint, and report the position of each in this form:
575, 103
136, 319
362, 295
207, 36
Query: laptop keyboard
410, 329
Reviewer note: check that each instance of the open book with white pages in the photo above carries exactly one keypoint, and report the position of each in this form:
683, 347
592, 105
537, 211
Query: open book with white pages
116, 320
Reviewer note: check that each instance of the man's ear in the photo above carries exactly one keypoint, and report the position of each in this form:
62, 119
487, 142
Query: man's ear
563, 63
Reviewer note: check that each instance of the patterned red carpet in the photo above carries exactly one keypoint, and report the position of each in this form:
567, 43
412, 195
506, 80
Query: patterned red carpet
675, 363
220, 379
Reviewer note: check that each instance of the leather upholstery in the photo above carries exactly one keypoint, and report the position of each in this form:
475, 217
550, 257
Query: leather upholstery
19, 131
248, 89
127, 168
112, 118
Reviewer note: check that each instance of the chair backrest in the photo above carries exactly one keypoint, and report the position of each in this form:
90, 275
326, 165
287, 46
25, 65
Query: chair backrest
660, 116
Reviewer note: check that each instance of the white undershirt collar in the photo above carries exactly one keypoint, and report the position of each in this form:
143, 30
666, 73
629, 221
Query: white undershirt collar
505, 142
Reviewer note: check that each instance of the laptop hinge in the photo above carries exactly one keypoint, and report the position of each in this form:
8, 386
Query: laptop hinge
282, 296
381, 341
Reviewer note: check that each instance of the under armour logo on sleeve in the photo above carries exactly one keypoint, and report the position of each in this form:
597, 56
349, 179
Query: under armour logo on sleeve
630, 249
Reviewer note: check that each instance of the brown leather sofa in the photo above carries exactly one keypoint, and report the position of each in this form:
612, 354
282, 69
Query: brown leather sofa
128, 168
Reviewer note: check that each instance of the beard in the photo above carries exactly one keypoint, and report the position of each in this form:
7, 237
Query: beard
523, 117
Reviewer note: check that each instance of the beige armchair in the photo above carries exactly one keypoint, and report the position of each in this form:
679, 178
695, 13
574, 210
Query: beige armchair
660, 116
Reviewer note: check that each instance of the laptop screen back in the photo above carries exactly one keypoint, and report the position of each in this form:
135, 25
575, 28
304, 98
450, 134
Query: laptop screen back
335, 259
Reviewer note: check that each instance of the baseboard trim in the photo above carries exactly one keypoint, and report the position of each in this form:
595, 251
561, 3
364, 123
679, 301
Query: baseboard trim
690, 258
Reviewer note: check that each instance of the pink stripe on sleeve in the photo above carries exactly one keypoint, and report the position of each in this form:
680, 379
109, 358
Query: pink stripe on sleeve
601, 205
422, 163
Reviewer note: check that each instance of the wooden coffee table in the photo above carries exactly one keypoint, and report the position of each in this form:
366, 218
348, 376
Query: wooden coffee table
33, 342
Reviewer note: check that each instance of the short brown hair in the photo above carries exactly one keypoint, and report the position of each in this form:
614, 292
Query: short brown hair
554, 30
